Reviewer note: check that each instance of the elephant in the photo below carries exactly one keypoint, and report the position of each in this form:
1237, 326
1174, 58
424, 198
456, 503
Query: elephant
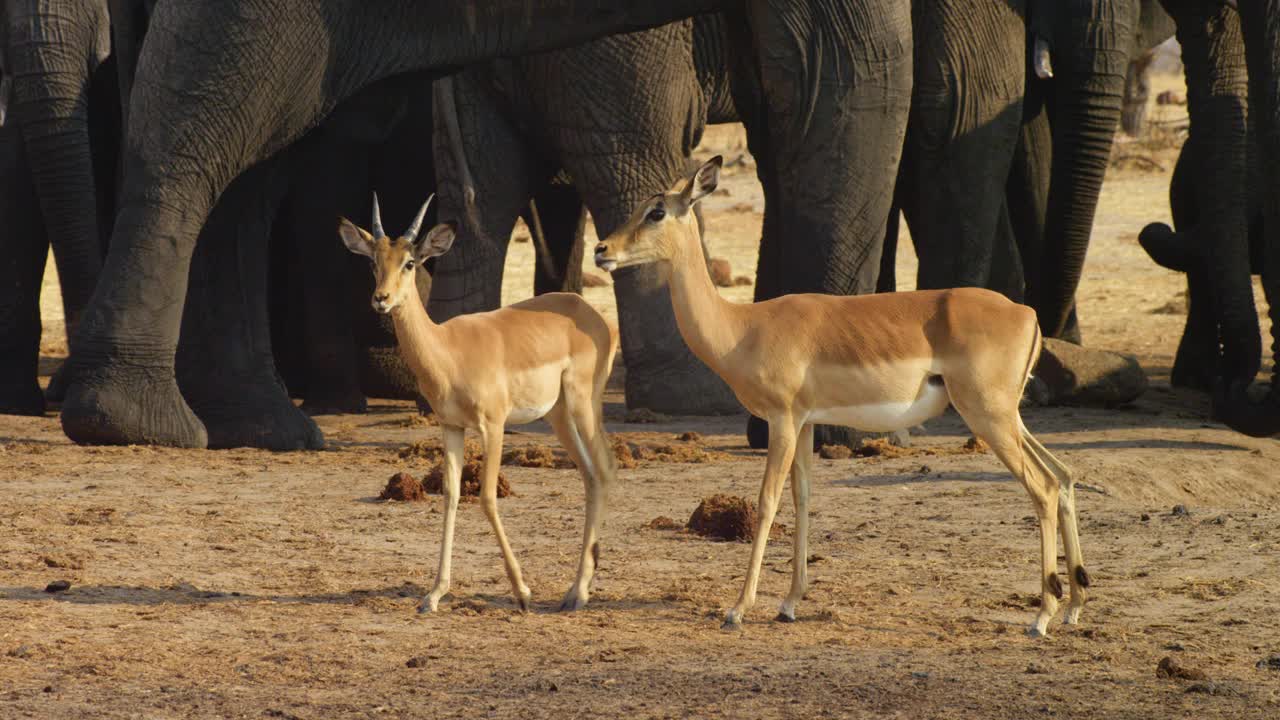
1225, 207
618, 118
828, 78
60, 111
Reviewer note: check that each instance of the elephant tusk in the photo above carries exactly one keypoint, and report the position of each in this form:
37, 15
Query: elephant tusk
1041, 59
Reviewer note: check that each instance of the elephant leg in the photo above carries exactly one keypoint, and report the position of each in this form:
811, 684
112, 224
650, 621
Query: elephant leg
633, 146
887, 281
225, 367
329, 178
23, 251
1006, 263
966, 114
563, 222
1260, 22
832, 80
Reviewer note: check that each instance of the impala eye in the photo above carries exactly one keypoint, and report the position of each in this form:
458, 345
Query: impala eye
656, 214
408, 266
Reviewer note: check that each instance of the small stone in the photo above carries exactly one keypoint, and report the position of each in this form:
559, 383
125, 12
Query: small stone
1145, 517
1269, 663
417, 662
58, 586
1034, 669
1179, 511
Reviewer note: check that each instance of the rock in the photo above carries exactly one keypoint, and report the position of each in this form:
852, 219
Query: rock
1269, 663
721, 272
1170, 668
1076, 375
58, 586
1180, 511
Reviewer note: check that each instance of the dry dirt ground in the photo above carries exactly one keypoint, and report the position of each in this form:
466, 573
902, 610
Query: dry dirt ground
257, 585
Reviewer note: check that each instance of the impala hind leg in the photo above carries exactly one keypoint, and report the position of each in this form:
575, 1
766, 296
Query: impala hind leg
1067, 524
492, 437
1002, 432
453, 455
800, 474
583, 438
782, 447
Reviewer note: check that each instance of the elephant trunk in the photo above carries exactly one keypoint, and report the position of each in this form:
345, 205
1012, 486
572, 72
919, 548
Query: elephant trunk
55, 49
1090, 62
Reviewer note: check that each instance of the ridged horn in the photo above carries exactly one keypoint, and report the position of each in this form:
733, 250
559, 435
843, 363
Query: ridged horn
377, 219
412, 232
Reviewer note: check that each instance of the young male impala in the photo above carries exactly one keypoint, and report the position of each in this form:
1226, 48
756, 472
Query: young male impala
873, 362
548, 356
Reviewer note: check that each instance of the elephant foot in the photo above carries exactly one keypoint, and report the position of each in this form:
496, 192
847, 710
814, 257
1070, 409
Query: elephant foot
335, 402
253, 413
1169, 249
758, 436
21, 398
1234, 408
130, 406
1195, 366
683, 387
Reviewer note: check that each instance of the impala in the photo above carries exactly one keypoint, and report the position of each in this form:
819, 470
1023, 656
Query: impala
548, 356
874, 362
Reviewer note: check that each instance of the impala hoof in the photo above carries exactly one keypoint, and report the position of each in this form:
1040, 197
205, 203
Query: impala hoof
784, 618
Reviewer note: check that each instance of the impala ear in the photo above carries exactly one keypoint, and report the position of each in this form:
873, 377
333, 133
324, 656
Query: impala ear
357, 241
703, 182
437, 242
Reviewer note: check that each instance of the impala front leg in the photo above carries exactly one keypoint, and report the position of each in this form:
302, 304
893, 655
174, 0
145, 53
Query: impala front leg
800, 541
782, 446
453, 452
492, 435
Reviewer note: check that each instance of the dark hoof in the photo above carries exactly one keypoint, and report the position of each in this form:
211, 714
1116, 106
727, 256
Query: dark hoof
784, 618
1167, 248
118, 407
523, 604
731, 626
23, 399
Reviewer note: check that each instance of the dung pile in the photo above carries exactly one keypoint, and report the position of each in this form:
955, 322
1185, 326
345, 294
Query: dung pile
687, 448
472, 472
538, 456
403, 487
726, 517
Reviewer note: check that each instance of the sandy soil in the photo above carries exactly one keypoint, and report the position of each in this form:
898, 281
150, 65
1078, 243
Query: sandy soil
250, 584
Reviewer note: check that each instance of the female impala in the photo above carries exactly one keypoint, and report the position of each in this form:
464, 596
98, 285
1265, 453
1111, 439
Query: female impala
874, 362
548, 356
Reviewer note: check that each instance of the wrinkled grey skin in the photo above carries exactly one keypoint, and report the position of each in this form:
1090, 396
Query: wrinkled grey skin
966, 115
1065, 144
833, 80
60, 122
1232, 64
620, 117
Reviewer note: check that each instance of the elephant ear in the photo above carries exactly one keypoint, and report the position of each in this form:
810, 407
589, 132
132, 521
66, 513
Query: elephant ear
437, 241
703, 182
357, 241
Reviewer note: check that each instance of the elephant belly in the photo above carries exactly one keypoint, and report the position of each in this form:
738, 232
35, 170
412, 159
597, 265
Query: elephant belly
887, 416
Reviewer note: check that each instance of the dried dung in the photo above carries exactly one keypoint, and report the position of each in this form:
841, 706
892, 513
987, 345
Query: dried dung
742, 280
725, 517
645, 415
662, 522
538, 456
835, 452
1169, 668
690, 436
881, 447
472, 472
403, 487
975, 446
721, 272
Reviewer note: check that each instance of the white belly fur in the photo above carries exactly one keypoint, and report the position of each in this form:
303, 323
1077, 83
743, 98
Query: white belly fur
887, 416
521, 415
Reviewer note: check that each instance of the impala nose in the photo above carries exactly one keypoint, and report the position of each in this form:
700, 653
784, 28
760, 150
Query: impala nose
606, 264
380, 301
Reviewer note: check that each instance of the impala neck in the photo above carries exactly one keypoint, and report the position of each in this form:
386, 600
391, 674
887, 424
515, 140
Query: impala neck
709, 323
422, 346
